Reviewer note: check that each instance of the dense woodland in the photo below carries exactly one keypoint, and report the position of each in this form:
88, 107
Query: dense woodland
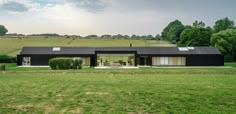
222, 35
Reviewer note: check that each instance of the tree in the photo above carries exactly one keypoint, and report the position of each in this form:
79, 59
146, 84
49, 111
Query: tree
3, 30
223, 24
106, 36
149, 37
158, 37
173, 30
195, 37
118, 36
91, 36
225, 41
133, 36
197, 24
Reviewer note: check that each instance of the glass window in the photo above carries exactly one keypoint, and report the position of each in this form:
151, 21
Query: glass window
169, 61
26, 61
162, 60
115, 60
166, 60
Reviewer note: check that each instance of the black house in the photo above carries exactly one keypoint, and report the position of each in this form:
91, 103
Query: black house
124, 56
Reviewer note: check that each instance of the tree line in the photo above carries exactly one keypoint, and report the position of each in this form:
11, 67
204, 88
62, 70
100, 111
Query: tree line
222, 35
3, 31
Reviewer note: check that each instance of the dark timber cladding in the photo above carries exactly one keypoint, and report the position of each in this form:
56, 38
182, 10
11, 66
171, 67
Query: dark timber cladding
124, 56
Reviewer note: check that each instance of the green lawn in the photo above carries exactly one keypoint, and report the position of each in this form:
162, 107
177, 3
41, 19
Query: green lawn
12, 46
145, 90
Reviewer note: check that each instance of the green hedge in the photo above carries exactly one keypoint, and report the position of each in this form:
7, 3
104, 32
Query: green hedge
65, 63
7, 59
2, 67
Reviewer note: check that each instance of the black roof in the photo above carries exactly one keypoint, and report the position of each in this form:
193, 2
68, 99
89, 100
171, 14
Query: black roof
139, 50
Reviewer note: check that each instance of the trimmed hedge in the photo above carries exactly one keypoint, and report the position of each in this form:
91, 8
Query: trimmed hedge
2, 67
7, 59
65, 63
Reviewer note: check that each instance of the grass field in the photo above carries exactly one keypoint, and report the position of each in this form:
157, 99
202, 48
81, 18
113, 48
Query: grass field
145, 90
12, 46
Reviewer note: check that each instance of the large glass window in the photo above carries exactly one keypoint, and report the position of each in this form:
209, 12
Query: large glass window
115, 60
26, 61
169, 61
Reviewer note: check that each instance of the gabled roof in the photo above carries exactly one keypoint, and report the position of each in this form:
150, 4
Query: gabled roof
139, 50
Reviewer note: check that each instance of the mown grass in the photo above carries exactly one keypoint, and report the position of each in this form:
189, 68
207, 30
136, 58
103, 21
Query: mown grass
12, 46
145, 90
232, 64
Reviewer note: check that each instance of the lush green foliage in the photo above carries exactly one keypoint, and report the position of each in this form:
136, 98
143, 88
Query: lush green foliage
147, 90
197, 24
65, 63
61, 63
173, 30
225, 41
7, 59
3, 30
77, 64
46, 35
2, 67
195, 36
223, 24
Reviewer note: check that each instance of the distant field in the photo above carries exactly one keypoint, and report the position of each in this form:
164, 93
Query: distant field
11, 46
144, 90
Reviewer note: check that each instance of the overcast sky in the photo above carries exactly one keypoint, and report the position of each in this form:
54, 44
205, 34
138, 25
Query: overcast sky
99, 17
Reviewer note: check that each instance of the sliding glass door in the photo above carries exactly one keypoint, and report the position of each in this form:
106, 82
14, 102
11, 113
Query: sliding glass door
169, 61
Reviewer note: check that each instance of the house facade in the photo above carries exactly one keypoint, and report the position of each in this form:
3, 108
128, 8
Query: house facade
124, 56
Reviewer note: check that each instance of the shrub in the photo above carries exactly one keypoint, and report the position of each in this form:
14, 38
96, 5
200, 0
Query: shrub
65, 63
77, 64
228, 58
7, 59
2, 67
61, 63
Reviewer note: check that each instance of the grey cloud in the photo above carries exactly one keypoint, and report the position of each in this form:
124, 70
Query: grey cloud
14, 6
89, 5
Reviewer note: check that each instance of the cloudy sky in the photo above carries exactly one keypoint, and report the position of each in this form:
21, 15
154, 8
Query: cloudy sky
85, 17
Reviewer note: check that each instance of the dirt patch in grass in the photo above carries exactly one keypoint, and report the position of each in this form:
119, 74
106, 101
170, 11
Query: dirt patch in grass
49, 110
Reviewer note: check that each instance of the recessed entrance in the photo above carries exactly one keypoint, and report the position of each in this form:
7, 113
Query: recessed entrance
143, 60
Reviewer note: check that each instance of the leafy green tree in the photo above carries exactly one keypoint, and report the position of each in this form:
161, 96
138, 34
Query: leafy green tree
173, 30
106, 36
225, 41
195, 37
133, 36
158, 37
91, 36
3, 30
223, 24
197, 24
